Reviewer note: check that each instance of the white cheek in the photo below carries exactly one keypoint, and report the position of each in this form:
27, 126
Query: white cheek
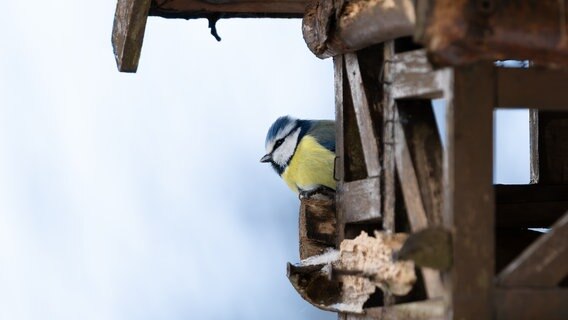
286, 150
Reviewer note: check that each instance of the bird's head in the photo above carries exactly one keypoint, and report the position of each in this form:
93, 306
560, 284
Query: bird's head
281, 141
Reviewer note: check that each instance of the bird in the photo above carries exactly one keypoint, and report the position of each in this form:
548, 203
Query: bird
302, 152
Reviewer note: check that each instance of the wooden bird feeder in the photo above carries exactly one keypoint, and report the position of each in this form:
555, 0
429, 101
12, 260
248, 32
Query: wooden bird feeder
468, 238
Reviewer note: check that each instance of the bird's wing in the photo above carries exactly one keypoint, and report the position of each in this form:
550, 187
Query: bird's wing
324, 132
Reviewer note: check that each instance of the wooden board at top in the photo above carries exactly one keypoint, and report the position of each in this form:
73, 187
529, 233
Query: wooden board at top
190, 9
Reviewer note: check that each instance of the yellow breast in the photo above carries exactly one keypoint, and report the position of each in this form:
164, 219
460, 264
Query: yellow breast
311, 166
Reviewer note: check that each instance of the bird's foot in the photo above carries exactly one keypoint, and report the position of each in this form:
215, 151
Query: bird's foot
321, 192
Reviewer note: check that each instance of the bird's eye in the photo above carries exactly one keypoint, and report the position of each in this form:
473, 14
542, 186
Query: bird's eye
278, 143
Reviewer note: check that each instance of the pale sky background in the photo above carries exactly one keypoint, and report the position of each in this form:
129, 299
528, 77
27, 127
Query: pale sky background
140, 196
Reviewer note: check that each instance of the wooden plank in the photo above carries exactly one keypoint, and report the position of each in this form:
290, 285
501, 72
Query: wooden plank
544, 263
360, 200
432, 309
317, 226
335, 27
538, 88
388, 141
462, 32
416, 125
369, 139
128, 32
414, 202
469, 204
339, 168
532, 205
531, 303
552, 147
413, 76
191, 9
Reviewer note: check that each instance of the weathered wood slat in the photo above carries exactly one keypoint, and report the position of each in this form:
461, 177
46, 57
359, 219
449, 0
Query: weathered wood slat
415, 78
538, 88
461, 32
415, 207
128, 32
388, 141
433, 309
360, 200
469, 190
317, 226
417, 122
189, 9
335, 27
544, 263
363, 115
531, 303
339, 168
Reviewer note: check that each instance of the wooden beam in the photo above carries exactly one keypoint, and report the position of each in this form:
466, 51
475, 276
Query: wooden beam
544, 263
191, 9
335, 27
128, 32
538, 88
419, 146
360, 200
369, 139
469, 204
413, 76
461, 32
531, 303
416, 198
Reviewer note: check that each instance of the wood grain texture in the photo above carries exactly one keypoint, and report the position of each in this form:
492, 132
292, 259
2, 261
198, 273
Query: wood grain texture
192, 9
339, 26
128, 32
414, 77
360, 200
469, 201
465, 31
363, 115
544, 263
317, 226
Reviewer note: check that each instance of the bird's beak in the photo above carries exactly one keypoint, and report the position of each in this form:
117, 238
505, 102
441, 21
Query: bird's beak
266, 158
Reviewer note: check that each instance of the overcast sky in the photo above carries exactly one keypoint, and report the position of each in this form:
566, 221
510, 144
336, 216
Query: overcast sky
140, 196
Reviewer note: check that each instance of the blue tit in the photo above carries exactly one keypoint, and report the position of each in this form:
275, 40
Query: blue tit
302, 152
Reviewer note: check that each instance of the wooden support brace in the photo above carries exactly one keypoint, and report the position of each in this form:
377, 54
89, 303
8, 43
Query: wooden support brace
468, 177
544, 263
363, 115
128, 32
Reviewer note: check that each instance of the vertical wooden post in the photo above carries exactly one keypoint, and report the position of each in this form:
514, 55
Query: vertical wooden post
128, 32
468, 179
339, 170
